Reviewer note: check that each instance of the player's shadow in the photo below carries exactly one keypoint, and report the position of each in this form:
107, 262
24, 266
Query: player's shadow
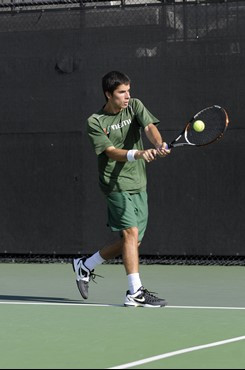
31, 299
37, 299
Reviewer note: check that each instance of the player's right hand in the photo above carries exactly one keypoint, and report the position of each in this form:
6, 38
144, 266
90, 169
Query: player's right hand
163, 150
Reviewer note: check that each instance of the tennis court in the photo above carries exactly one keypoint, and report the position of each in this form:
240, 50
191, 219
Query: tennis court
45, 324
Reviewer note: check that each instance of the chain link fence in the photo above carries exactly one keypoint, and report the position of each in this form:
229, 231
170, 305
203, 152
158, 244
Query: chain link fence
176, 20
53, 54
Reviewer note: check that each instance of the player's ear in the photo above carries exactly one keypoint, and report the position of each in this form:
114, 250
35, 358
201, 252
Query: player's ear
108, 95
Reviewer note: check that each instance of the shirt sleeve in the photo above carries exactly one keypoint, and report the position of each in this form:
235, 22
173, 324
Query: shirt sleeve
144, 117
97, 136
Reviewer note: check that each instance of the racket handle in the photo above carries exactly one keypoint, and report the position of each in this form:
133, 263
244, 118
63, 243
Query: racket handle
168, 146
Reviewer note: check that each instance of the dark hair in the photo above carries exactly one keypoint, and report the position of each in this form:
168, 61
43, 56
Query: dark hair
112, 80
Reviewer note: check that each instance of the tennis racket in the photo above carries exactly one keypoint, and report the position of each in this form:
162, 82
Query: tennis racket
206, 127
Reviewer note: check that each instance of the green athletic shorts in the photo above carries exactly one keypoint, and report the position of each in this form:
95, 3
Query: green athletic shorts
126, 210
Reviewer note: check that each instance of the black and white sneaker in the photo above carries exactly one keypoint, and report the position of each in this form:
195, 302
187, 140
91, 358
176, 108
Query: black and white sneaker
83, 275
143, 298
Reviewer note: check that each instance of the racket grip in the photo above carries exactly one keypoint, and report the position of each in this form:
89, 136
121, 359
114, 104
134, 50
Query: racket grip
168, 146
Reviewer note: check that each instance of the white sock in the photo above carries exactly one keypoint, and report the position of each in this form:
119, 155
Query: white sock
94, 260
134, 282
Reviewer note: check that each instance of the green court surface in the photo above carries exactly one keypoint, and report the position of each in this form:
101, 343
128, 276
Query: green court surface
46, 325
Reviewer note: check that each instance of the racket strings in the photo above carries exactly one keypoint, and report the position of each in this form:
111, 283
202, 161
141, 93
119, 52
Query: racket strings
215, 120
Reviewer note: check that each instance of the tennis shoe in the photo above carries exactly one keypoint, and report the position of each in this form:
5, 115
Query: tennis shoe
143, 298
83, 276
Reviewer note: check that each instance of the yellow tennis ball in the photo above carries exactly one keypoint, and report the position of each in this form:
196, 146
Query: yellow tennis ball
198, 126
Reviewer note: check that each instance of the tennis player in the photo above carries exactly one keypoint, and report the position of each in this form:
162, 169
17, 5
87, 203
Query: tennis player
116, 135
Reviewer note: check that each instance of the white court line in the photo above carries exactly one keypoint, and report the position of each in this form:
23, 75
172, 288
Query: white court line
209, 307
57, 304
114, 305
175, 353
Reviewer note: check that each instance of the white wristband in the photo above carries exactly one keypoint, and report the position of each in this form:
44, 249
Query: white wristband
131, 154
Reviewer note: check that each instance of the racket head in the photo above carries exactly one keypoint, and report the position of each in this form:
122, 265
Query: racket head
216, 121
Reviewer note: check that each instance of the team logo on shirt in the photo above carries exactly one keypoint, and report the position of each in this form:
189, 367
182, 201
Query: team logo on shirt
117, 126
121, 124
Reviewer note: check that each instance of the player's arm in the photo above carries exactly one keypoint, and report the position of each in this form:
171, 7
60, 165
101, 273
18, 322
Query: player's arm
123, 155
154, 136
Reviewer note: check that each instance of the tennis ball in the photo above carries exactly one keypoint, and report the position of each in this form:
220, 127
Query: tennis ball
198, 126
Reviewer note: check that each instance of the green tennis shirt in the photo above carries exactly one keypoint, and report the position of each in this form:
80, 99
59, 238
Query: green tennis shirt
123, 131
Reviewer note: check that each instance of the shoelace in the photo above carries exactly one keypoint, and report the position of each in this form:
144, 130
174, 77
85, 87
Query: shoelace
150, 294
92, 276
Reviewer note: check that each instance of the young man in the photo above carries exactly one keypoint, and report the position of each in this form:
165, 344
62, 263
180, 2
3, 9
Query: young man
115, 133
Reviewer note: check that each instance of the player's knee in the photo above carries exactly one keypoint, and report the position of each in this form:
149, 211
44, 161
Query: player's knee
131, 232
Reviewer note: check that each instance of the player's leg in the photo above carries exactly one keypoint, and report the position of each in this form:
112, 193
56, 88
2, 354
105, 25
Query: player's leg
137, 295
130, 251
120, 209
84, 267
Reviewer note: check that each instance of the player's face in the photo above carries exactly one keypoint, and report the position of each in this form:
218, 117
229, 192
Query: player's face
120, 97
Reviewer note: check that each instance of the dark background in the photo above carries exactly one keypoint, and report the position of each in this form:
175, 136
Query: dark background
181, 58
